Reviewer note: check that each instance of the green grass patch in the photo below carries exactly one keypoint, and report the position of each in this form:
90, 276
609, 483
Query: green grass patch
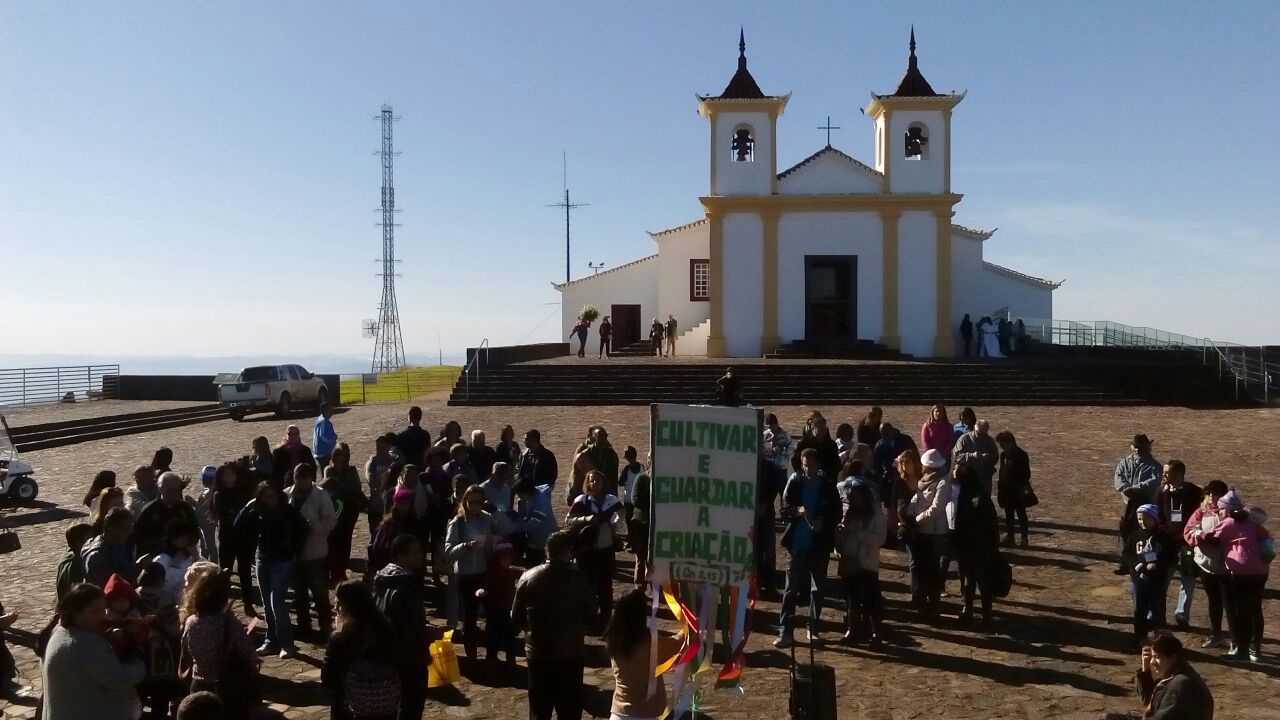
403, 384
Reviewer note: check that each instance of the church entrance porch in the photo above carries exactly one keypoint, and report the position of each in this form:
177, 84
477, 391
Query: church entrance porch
831, 301
626, 325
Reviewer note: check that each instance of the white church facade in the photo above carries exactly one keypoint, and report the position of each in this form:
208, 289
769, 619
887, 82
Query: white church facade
828, 252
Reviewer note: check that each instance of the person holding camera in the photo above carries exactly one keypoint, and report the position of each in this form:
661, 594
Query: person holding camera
1167, 685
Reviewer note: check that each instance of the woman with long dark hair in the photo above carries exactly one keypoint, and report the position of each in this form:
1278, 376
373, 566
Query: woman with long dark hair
235, 550
83, 675
628, 642
262, 464
450, 435
161, 461
342, 481
937, 433
359, 662
1013, 485
103, 480
869, 427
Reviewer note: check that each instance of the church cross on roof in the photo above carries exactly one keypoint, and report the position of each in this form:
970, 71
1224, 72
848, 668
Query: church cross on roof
913, 83
742, 86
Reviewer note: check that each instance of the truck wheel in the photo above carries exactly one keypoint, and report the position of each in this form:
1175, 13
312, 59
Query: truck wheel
322, 397
24, 490
238, 415
285, 406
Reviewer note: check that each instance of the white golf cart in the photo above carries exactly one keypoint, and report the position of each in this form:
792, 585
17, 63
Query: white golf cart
16, 483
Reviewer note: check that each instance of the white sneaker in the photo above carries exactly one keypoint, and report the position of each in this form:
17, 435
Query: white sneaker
267, 649
814, 637
783, 642
1255, 656
288, 653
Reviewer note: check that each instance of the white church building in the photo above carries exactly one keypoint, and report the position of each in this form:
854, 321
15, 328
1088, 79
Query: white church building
828, 251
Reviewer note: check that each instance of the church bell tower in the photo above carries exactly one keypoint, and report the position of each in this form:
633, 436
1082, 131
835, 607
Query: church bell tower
744, 129
913, 133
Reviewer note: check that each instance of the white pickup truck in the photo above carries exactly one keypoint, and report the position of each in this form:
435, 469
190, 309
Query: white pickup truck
269, 387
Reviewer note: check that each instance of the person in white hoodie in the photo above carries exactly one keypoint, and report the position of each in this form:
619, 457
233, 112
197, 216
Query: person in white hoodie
311, 582
928, 513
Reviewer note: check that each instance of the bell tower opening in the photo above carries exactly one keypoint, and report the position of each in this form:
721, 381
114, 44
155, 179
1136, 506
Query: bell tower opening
917, 142
743, 144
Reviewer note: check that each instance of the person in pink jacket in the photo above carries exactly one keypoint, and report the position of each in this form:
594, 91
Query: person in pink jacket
1208, 559
1242, 539
938, 433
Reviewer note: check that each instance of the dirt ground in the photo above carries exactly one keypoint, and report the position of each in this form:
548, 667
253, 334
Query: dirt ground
1060, 649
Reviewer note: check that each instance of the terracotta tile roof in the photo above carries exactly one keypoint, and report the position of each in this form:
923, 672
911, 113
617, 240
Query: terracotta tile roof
973, 232
678, 228
561, 286
828, 150
999, 269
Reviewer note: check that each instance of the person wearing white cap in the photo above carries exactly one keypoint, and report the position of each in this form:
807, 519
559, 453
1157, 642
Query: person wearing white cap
927, 517
1147, 556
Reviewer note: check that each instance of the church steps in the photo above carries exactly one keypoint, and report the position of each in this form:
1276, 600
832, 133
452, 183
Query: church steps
781, 382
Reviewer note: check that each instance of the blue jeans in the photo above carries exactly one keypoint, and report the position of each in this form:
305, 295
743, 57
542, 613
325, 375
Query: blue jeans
805, 577
274, 578
1148, 604
1185, 591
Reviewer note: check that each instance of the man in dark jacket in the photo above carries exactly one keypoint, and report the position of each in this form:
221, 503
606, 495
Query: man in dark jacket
481, 456
413, 440
966, 333
811, 509
398, 591
554, 605
148, 529
109, 554
537, 464
1168, 687
1177, 499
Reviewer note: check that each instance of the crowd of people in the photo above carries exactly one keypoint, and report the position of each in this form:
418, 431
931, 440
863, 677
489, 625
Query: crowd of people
662, 336
491, 541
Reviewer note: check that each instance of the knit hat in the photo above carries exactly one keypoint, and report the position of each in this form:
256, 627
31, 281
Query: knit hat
207, 475
933, 460
1231, 501
119, 588
402, 494
1149, 509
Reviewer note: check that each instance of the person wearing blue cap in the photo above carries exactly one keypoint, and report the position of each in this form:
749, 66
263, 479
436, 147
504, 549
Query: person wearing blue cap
1146, 557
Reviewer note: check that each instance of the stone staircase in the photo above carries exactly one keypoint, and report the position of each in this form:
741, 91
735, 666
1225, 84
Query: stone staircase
850, 349
1031, 381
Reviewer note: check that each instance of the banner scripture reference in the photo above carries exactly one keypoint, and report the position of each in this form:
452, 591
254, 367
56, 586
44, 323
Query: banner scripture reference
706, 461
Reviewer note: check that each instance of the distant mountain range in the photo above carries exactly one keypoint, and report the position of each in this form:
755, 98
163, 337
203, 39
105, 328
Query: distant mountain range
192, 365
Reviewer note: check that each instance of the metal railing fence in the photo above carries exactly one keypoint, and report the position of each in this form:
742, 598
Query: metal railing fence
37, 385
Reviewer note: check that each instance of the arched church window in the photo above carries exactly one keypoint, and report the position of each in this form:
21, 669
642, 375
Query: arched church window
917, 141
744, 144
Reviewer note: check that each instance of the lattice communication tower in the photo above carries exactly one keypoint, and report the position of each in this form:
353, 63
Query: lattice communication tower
388, 348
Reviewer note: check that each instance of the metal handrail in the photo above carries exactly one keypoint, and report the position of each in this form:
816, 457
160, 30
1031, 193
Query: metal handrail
466, 371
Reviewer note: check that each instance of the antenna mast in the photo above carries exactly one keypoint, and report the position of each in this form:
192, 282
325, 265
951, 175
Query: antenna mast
388, 348
567, 207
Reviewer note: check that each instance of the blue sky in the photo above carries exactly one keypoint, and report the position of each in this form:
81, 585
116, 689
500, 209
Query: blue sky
192, 178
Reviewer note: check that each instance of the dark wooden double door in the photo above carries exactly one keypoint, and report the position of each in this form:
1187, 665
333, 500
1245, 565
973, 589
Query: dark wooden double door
831, 299
626, 325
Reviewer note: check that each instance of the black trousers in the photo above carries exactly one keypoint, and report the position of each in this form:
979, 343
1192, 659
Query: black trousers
1215, 588
1021, 512
1244, 610
413, 692
233, 551
606, 346
555, 685
469, 604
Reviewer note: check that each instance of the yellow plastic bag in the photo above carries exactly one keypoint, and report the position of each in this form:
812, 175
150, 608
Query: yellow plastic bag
444, 662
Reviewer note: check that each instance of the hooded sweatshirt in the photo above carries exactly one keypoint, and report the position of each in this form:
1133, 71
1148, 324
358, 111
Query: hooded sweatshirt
398, 594
1241, 543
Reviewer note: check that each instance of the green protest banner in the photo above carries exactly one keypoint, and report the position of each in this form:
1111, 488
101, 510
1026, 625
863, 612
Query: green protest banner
706, 461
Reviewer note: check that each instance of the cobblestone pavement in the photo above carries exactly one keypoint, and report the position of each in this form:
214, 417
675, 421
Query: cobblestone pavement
1060, 650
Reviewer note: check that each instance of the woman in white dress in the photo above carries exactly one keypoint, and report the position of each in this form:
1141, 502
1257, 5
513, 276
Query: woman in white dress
988, 343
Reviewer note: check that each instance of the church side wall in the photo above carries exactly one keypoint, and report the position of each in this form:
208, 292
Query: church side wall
969, 287
1023, 299
675, 252
801, 234
743, 282
633, 285
917, 282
